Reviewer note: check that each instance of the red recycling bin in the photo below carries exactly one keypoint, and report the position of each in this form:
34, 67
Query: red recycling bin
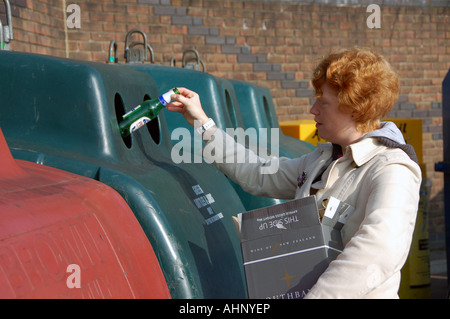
68, 236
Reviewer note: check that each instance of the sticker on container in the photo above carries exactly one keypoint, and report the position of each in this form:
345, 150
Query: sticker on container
214, 218
197, 189
204, 200
210, 198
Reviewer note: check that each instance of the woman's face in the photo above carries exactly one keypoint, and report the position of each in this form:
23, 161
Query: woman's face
332, 124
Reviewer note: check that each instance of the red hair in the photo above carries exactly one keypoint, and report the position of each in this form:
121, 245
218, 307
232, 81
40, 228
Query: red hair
366, 84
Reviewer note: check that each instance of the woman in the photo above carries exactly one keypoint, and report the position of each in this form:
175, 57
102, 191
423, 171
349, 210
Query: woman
367, 165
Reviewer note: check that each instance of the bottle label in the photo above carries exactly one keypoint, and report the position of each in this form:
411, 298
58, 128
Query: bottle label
139, 123
165, 98
131, 111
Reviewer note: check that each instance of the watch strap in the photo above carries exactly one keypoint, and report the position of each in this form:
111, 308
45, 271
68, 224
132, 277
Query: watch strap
202, 129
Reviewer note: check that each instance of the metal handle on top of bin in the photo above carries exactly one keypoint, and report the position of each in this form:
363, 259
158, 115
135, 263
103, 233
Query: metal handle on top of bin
6, 32
112, 58
187, 63
149, 48
2, 44
133, 55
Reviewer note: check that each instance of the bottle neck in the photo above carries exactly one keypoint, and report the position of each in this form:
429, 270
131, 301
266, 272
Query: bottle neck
166, 97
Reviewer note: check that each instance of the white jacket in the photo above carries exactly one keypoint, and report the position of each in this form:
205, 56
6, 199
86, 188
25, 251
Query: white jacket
380, 182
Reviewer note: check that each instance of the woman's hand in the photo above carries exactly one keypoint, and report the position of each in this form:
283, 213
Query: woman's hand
188, 103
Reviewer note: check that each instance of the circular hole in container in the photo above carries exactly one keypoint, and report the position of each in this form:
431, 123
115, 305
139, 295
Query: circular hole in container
153, 127
120, 111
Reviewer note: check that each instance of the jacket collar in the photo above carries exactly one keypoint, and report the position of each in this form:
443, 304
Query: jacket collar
361, 152
364, 150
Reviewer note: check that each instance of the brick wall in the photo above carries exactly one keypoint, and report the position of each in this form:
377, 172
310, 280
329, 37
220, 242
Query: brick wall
272, 43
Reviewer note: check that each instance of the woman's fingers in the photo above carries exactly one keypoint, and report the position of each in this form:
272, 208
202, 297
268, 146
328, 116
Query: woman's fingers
188, 103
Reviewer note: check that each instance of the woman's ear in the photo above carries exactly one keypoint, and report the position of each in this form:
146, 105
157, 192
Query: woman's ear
356, 115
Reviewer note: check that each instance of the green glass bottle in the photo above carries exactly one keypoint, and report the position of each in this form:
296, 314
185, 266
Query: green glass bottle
144, 113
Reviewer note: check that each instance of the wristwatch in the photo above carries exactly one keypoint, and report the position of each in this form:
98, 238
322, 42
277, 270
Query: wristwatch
202, 129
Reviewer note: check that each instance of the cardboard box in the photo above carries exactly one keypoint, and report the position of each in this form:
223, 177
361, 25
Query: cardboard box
286, 248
